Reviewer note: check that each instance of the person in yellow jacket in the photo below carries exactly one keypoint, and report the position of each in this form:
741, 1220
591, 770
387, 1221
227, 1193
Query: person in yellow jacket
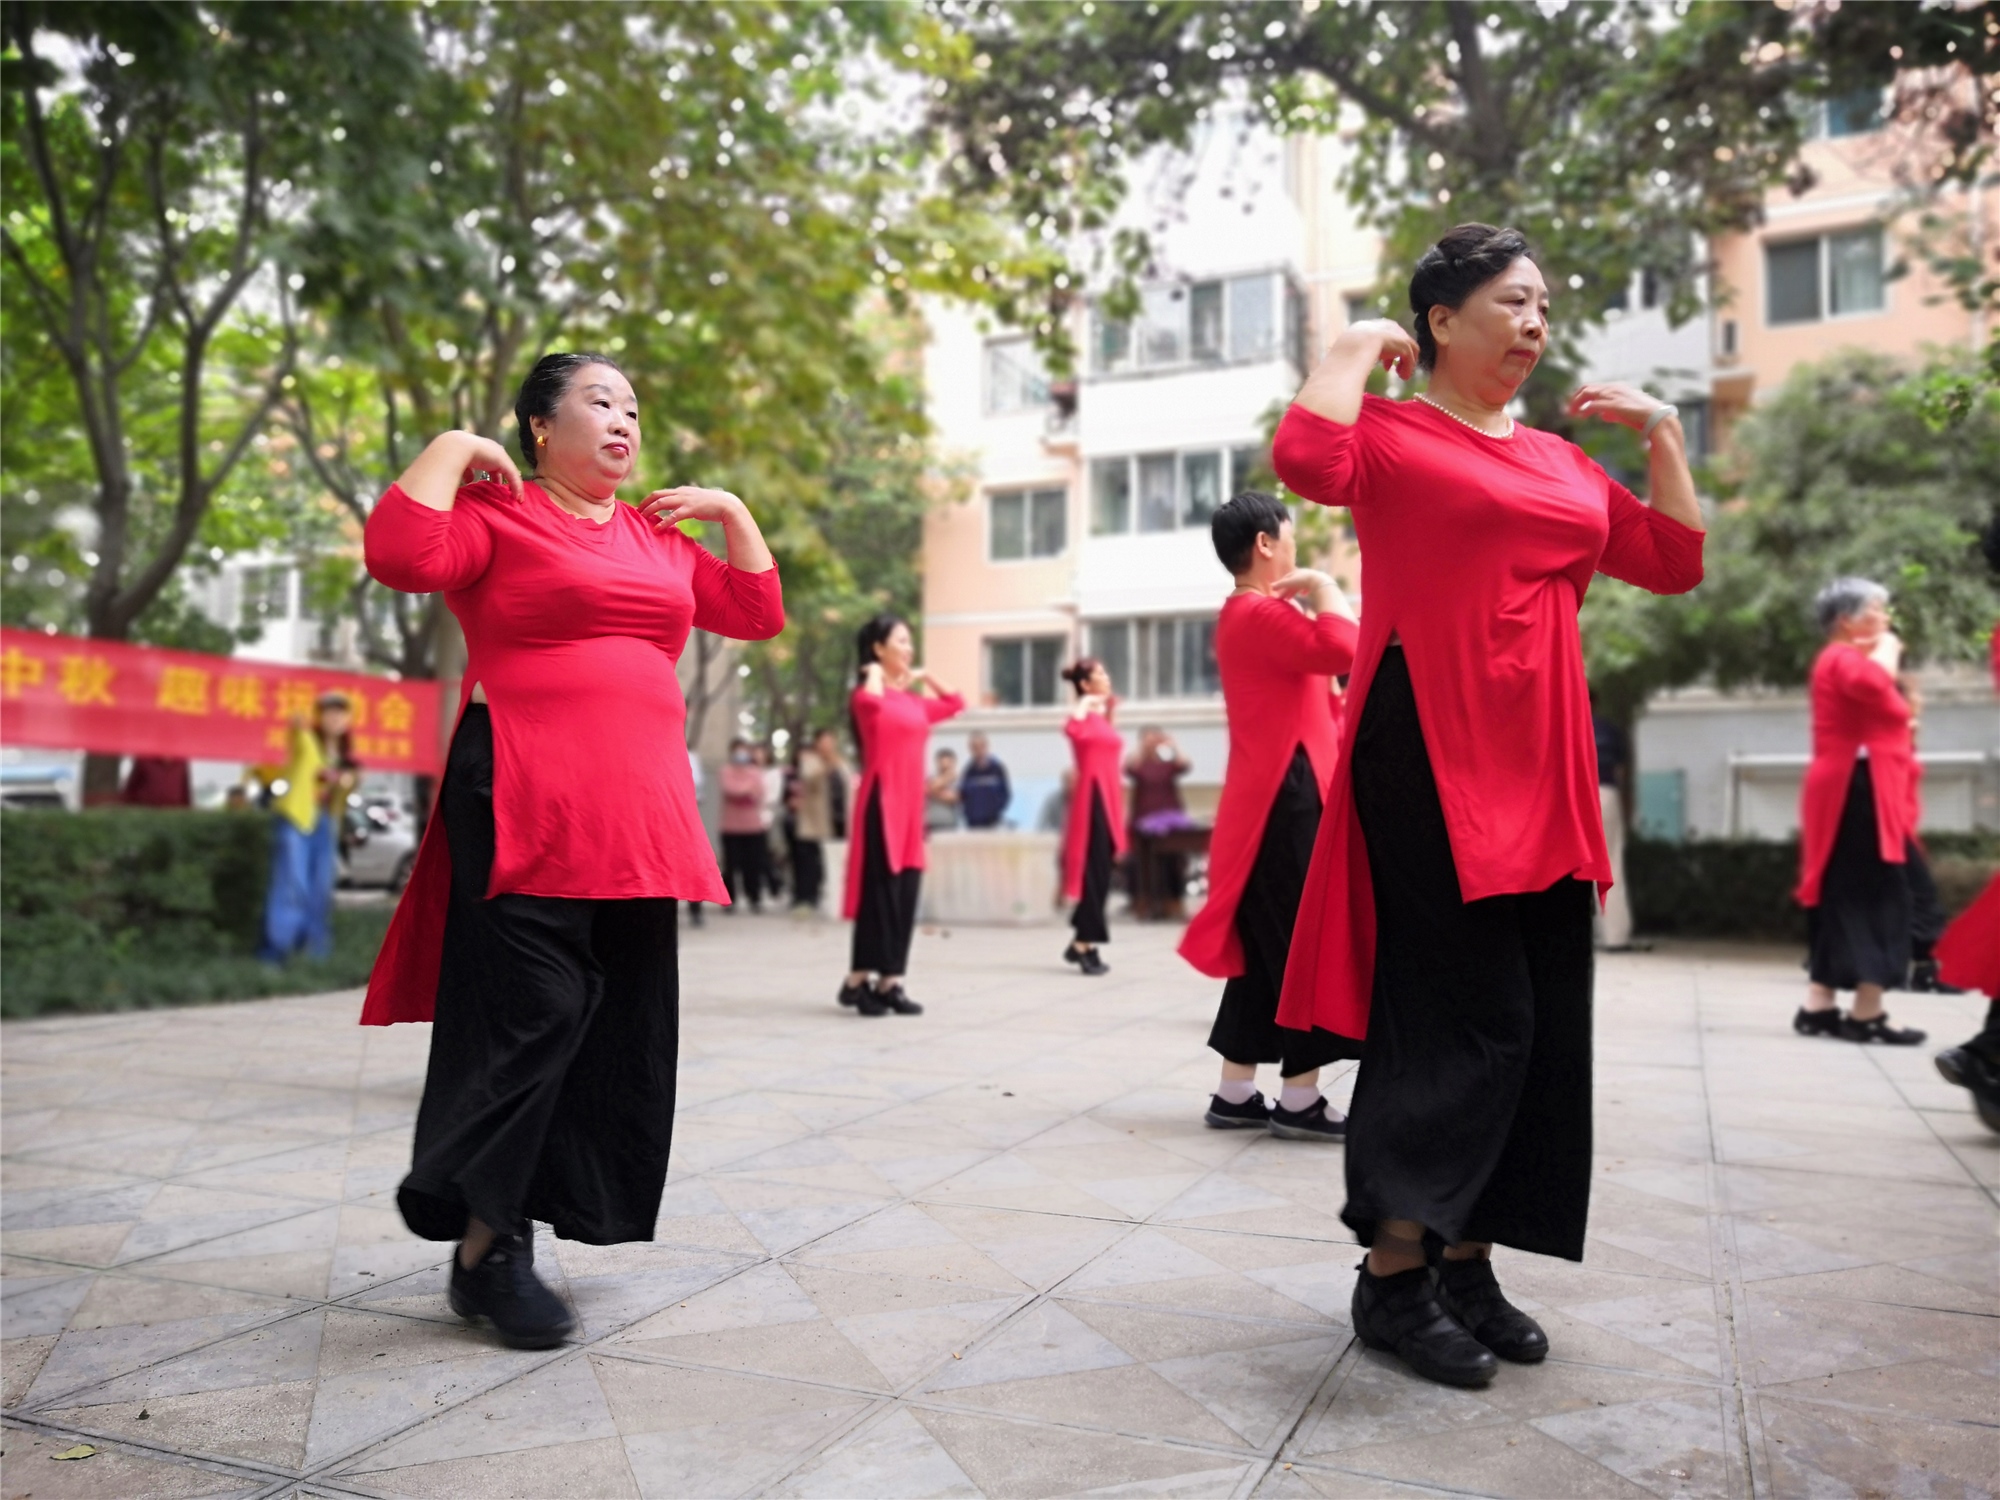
318, 775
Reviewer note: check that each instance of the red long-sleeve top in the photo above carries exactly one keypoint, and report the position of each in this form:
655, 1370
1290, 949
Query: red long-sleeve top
1479, 552
574, 630
1968, 955
1277, 686
1099, 752
1855, 706
894, 729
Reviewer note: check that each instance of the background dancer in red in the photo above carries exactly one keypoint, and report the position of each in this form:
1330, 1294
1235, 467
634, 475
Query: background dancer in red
1858, 814
538, 925
1094, 834
1447, 915
1277, 666
893, 709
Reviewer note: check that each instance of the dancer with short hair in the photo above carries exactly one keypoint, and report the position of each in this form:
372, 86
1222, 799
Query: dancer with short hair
537, 929
1094, 831
893, 707
1277, 664
1447, 915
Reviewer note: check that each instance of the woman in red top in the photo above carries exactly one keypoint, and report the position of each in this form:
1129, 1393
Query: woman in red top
892, 711
1277, 666
1858, 814
538, 926
1094, 835
1447, 915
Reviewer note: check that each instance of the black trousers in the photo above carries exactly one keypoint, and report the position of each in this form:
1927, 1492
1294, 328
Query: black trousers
1862, 930
550, 1092
1471, 1110
1246, 1024
808, 871
886, 917
1088, 919
746, 859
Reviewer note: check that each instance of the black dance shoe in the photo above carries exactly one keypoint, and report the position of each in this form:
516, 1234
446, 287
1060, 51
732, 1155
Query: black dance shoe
1089, 960
1314, 1123
1252, 1114
853, 994
1401, 1314
893, 999
1468, 1291
1878, 1029
504, 1290
1924, 980
1817, 1022
1969, 1069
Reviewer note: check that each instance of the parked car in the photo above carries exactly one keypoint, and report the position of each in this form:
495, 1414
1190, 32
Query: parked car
34, 787
378, 844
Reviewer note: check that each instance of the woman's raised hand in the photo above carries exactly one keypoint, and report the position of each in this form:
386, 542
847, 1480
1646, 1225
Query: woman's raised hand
1614, 401
488, 457
1300, 581
1397, 350
689, 502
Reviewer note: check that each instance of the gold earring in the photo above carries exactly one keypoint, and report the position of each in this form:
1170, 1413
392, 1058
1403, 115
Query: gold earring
541, 442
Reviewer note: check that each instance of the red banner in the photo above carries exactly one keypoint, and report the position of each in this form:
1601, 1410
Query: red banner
70, 693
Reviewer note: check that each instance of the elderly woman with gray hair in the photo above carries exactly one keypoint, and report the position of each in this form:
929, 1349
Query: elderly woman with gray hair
1858, 858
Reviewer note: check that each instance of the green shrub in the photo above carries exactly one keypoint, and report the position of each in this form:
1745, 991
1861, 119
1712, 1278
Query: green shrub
117, 908
1742, 888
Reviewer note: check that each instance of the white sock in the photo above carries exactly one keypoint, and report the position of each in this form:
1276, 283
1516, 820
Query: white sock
1296, 1101
1237, 1090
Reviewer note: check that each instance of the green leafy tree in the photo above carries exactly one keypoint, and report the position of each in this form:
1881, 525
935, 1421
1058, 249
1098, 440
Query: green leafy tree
696, 191
1845, 470
150, 158
1616, 134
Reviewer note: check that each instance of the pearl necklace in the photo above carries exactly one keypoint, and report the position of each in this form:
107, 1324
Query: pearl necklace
1434, 406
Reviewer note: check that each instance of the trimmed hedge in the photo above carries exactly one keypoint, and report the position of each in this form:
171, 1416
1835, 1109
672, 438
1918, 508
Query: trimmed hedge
1742, 888
117, 908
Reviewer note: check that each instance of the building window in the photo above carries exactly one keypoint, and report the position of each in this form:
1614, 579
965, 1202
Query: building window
1159, 507
266, 594
1027, 523
1853, 113
1160, 656
1201, 487
1356, 307
1022, 671
1245, 319
1827, 276
1174, 490
1015, 380
1110, 496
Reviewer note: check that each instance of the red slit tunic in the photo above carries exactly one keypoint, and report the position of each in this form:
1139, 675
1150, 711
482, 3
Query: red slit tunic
1968, 955
1277, 687
1479, 551
574, 630
894, 729
1099, 751
1855, 706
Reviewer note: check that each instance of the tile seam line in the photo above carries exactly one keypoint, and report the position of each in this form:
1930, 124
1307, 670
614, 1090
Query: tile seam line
1748, 1424
233, 1468
1990, 1194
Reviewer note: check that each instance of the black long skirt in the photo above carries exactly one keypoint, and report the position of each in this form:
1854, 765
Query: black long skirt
1471, 1110
1246, 1026
1861, 931
550, 1094
1087, 920
885, 919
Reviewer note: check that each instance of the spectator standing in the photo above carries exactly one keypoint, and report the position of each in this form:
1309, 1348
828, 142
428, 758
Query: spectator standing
745, 835
1614, 776
1155, 770
983, 792
941, 795
773, 818
813, 786
319, 773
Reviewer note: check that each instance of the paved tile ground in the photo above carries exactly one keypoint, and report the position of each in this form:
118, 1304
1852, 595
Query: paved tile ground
991, 1251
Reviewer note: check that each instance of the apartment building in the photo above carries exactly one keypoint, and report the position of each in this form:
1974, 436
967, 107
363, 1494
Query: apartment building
1832, 267
1087, 528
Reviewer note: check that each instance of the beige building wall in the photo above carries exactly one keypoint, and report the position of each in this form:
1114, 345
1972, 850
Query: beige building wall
1856, 186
